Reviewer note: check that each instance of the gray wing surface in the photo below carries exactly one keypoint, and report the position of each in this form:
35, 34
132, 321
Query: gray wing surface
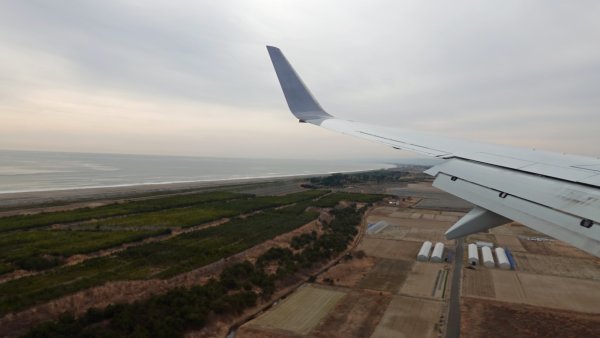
556, 194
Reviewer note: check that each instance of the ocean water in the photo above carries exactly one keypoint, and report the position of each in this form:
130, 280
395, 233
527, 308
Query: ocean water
42, 171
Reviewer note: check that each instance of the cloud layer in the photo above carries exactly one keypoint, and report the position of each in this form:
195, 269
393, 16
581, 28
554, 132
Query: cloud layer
194, 78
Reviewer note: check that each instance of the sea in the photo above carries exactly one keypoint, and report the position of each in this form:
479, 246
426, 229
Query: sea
24, 171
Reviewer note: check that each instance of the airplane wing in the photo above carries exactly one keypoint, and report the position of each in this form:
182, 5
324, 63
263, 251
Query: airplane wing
555, 194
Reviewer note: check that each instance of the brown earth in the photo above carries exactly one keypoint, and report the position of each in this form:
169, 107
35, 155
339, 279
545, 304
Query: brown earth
563, 293
408, 317
486, 318
422, 279
316, 302
509, 241
356, 315
553, 248
478, 282
389, 248
586, 268
387, 275
348, 273
247, 331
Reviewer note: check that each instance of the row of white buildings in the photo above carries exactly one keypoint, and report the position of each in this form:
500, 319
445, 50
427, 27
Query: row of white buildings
436, 255
473, 252
488, 257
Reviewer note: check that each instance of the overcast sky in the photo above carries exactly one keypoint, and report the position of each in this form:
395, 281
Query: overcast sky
194, 77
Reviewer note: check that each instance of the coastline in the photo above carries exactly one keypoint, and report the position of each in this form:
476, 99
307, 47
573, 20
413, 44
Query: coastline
13, 200
46, 198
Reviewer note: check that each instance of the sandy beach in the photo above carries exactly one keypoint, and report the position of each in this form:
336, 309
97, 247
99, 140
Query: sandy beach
47, 200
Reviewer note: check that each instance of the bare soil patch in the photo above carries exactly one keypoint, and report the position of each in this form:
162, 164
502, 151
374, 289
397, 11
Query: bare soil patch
248, 331
387, 275
484, 318
356, 315
433, 235
392, 232
302, 311
558, 266
388, 248
509, 241
421, 280
408, 317
478, 283
348, 273
553, 248
563, 293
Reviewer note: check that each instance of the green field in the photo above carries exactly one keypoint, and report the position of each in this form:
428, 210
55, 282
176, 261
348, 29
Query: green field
28, 250
43, 249
117, 209
237, 288
186, 217
276, 215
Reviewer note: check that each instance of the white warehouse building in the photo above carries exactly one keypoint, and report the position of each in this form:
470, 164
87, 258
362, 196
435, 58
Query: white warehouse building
438, 252
473, 254
488, 258
503, 262
423, 255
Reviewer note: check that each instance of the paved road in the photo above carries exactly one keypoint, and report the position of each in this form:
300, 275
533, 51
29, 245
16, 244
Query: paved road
453, 328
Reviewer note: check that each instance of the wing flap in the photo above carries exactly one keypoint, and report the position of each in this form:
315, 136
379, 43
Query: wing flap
541, 218
566, 197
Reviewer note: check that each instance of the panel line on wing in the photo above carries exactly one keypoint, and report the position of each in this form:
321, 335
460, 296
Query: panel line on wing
410, 144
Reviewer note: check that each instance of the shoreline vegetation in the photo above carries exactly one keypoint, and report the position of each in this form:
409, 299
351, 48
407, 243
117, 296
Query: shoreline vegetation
176, 231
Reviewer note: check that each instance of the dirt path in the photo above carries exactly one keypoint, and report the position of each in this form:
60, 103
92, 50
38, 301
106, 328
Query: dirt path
223, 330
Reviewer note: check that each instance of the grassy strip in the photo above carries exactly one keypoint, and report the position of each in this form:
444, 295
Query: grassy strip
38, 250
43, 219
207, 212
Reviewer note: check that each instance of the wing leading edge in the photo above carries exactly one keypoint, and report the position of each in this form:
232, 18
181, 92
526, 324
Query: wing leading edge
556, 194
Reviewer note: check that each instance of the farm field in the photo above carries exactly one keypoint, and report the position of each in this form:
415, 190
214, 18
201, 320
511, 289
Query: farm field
40, 249
12, 223
157, 263
551, 292
421, 280
387, 275
565, 266
383, 286
389, 248
478, 283
548, 291
409, 317
378, 290
349, 273
154, 260
485, 318
315, 303
356, 315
